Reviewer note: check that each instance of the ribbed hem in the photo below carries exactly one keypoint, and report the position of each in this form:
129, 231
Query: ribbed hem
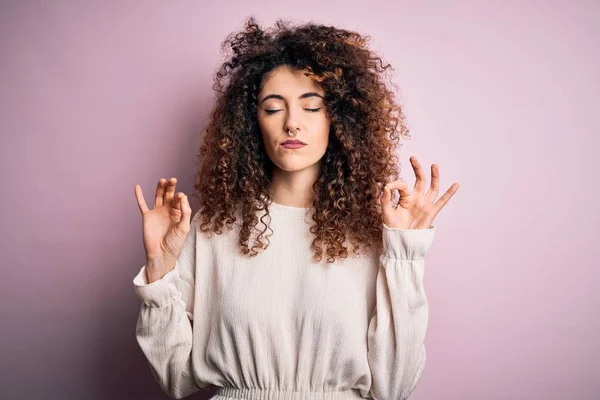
161, 292
407, 244
275, 394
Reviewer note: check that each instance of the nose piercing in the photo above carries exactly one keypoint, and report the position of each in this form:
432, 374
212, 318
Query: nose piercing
290, 133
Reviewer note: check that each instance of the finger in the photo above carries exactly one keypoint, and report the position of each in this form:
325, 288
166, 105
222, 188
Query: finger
170, 191
186, 213
140, 199
420, 175
401, 186
175, 209
160, 191
438, 205
435, 182
386, 199
177, 201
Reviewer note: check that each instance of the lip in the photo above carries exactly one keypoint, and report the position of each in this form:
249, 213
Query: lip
289, 145
293, 141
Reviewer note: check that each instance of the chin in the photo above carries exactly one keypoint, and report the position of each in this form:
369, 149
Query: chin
294, 166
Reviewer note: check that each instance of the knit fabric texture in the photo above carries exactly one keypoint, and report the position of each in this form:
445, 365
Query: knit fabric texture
279, 326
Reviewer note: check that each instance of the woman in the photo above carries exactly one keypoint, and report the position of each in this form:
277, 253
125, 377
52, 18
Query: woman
301, 142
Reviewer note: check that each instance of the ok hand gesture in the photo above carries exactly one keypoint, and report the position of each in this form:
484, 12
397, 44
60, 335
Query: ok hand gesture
415, 210
165, 227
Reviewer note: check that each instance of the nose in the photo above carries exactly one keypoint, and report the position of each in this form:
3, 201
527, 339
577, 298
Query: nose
292, 121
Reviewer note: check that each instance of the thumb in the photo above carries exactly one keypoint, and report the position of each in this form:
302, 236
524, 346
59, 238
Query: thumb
386, 199
186, 213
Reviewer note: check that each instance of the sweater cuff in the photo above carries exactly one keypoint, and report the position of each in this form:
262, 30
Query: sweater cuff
407, 244
161, 292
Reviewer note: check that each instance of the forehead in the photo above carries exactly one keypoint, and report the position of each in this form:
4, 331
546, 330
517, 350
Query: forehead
286, 81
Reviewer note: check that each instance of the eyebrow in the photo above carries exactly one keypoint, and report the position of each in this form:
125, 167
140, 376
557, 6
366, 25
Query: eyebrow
280, 97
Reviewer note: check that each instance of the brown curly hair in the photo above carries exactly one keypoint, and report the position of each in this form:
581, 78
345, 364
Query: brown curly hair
234, 171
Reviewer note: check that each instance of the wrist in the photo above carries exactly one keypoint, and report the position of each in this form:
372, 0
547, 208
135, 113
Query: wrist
157, 268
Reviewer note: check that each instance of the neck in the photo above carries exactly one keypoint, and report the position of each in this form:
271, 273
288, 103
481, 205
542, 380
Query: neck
294, 188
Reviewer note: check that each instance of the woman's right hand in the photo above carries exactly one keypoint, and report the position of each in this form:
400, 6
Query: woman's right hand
165, 227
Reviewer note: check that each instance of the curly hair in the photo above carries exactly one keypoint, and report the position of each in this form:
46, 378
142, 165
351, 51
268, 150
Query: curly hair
234, 171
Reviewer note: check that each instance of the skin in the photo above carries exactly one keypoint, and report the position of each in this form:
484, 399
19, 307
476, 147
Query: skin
295, 170
167, 224
165, 227
415, 210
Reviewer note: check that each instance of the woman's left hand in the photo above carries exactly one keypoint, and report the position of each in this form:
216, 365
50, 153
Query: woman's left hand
415, 210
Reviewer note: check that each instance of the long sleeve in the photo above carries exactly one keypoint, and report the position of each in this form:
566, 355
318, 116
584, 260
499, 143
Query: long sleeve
397, 328
164, 325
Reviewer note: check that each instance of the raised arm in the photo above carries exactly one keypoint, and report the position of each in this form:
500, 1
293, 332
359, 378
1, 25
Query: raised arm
397, 328
165, 285
164, 325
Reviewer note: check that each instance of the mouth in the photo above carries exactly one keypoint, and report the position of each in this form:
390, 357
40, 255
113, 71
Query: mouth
293, 144
293, 141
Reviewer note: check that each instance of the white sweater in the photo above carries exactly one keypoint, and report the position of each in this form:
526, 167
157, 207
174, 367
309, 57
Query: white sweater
282, 327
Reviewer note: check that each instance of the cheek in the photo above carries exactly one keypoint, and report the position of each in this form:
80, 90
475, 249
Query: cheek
267, 130
262, 124
323, 129
269, 140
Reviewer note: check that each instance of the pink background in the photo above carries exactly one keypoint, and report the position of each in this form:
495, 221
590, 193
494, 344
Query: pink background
504, 96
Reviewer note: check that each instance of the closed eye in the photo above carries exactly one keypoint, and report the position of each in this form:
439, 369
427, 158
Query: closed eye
307, 109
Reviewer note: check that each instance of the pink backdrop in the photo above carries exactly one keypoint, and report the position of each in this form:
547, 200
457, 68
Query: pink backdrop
97, 97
